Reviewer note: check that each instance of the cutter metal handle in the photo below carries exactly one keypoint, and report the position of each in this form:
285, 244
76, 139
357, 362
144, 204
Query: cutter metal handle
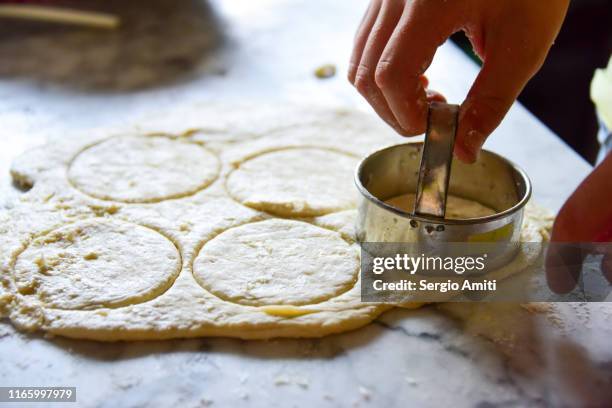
436, 160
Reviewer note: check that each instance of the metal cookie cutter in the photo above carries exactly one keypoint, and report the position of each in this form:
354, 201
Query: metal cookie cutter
427, 170
436, 160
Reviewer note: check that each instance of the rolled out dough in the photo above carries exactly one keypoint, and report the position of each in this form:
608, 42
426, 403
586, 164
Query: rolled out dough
277, 262
96, 263
147, 235
297, 182
137, 169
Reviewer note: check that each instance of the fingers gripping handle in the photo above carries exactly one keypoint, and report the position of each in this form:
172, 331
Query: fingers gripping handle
436, 160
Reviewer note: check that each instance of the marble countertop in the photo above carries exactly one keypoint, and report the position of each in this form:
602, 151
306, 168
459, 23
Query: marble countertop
55, 79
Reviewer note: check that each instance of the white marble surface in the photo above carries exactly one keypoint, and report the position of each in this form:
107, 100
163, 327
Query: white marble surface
54, 80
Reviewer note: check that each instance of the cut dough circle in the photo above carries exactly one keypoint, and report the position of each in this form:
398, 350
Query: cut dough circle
143, 169
97, 263
277, 262
70, 297
296, 182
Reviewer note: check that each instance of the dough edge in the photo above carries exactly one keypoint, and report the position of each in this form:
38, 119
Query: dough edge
250, 323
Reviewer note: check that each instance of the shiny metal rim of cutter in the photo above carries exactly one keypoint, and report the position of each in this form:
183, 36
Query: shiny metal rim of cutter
428, 170
492, 181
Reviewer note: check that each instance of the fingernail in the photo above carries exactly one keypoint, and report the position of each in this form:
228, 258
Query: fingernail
470, 145
473, 142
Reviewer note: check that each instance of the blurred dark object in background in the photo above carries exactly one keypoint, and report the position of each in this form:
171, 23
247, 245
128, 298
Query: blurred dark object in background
559, 94
158, 43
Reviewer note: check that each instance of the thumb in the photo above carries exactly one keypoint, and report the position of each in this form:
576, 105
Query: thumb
587, 215
513, 38
584, 218
495, 89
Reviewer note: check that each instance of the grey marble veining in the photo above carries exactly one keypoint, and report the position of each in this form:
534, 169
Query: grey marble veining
56, 79
419, 357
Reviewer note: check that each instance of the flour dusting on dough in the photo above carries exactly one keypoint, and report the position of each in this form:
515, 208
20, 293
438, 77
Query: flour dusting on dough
142, 237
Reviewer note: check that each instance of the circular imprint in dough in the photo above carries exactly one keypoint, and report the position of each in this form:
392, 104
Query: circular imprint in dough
143, 169
277, 262
97, 263
296, 182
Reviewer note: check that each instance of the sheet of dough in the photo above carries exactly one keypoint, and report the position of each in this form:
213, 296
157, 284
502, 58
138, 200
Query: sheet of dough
93, 251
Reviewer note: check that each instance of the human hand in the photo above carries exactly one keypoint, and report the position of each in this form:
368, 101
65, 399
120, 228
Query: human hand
586, 217
397, 40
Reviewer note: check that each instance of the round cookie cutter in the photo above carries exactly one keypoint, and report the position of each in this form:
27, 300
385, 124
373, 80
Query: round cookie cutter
492, 181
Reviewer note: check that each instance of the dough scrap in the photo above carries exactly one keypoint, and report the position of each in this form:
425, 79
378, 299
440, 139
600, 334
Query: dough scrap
277, 262
141, 169
297, 182
170, 299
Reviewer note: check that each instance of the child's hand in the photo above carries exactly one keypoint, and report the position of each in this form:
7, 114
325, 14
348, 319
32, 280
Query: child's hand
397, 40
586, 217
